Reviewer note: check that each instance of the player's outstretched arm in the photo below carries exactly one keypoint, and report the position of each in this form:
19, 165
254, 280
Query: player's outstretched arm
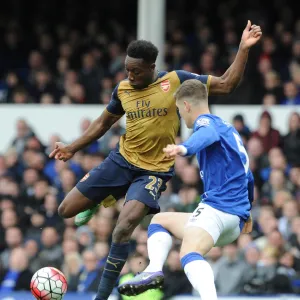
231, 78
97, 129
200, 139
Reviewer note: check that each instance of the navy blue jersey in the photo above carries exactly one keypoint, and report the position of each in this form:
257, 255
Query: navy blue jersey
224, 165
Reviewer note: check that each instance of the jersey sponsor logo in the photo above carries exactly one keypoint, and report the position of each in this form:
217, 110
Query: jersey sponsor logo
202, 122
147, 113
165, 85
85, 177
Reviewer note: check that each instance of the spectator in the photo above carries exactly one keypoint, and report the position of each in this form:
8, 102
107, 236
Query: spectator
189, 199
50, 207
241, 127
18, 276
214, 258
23, 134
51, 253
90, 77
13, 239
280, 198
42, 84
269, 136
272, 86
94, 147
37, 222
291, 94
276, 183
174, 273
231, 276
289, 212
32, 249
20, 96
71, 267
101, 249
85, 238
70, 245
277, 161
291, 141
258, 275
269, 100
88, 277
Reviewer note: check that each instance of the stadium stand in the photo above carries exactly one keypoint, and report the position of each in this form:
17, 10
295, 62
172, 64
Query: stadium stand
62, 52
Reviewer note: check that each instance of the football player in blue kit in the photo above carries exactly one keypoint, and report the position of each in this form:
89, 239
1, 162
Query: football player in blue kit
226, 203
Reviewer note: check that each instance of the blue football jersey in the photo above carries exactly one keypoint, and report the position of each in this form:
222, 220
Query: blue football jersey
224, 165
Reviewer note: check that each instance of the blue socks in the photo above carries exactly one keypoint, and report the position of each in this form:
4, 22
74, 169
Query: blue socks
153, 228
191, 257
115, 261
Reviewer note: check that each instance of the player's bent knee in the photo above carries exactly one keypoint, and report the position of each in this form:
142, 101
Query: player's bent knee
158, 219
63, 212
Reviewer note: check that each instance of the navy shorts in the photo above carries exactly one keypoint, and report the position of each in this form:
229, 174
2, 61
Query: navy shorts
116, 178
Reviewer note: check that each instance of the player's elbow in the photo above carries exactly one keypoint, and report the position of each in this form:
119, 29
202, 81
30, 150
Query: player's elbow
228, 87
223, 86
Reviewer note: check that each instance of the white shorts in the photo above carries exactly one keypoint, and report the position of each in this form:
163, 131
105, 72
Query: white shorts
223, 227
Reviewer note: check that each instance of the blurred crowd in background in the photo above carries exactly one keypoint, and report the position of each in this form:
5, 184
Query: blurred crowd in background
32, 235
74, 53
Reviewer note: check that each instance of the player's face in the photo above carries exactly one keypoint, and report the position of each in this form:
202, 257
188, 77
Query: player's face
140, 74
184, 109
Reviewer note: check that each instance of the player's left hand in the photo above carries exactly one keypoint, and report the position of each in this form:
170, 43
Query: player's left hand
248, 227
251, 35
173, 150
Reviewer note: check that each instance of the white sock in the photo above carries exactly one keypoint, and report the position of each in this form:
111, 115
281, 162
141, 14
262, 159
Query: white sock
201, 276
159, 245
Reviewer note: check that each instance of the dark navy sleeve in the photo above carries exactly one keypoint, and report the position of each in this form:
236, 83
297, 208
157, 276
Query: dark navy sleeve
115, 106
205, 136
250, 186
184, 75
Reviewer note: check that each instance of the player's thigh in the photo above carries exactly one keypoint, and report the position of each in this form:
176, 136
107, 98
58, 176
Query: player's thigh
104, 184
232, 229
202, 230
74, 203
146, 189
174, 222
196, 239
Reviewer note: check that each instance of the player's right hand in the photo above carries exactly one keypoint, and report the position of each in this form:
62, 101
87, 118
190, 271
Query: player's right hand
173, 150
61, 152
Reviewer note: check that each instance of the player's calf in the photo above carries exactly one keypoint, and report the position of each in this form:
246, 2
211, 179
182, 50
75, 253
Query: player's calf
196, 243
131, 215
159, 244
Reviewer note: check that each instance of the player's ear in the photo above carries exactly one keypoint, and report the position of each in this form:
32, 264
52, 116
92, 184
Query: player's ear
186, 106
152, 66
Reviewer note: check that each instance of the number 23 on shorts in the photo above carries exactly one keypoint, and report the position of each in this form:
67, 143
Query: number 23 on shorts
154, 185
